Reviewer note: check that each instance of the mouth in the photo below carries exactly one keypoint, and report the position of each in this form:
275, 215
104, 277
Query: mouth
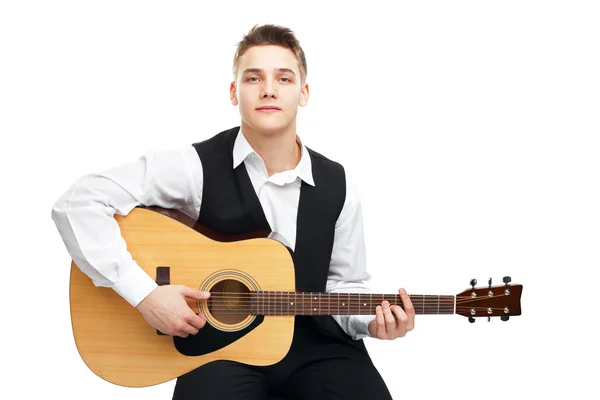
268, 109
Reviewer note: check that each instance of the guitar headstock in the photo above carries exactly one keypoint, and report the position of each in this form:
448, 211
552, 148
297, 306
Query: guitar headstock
492, 301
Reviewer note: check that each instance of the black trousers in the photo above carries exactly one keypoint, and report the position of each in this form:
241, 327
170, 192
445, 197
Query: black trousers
317, 367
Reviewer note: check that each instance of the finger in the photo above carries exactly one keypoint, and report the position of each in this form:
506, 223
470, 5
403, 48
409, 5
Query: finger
409, 309
194, 294
380, 322
182, 326
402, 319
196, 320
390, 321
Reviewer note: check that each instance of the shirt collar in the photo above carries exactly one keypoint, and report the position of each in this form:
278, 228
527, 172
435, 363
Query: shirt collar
242, 149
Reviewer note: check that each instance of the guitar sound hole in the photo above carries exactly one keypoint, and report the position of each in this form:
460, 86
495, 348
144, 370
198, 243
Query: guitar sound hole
229, 301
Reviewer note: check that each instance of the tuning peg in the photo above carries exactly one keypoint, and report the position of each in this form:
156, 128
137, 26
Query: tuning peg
473, 282
506, 280
504, 318
489, 318
471, 319
490, 282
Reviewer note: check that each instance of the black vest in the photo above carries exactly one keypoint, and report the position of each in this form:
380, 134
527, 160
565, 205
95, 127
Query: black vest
230, 206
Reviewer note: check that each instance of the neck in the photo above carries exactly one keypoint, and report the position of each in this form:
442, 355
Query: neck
279, 150
312, 303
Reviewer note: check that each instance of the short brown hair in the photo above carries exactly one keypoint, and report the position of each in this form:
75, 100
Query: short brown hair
270, 34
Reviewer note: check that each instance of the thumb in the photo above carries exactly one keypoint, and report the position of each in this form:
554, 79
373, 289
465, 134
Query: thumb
194, 294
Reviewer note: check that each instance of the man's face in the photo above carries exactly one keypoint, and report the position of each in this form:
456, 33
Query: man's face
268, 76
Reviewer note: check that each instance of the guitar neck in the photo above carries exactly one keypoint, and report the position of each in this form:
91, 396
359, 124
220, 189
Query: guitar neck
304, 303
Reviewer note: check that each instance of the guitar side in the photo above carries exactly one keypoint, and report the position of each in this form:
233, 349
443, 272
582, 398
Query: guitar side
117, 344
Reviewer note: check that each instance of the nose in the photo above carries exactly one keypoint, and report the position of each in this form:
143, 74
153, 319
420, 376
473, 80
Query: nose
268, 90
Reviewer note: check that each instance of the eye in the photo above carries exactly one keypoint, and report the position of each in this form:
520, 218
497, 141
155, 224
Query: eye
252, 77
286, 79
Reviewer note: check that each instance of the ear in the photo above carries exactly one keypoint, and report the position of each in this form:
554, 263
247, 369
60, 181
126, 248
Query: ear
304, 95
233, 94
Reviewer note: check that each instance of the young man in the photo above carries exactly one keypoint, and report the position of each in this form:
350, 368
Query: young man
256, 176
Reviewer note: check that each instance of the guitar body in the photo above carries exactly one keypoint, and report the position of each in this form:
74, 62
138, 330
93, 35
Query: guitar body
118, 345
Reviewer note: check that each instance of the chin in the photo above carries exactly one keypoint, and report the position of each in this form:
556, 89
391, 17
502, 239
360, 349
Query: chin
267, 126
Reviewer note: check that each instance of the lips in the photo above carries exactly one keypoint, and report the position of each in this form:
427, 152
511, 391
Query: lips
268, 108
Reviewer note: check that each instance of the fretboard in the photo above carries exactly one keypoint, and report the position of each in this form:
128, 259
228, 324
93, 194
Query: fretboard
304, 303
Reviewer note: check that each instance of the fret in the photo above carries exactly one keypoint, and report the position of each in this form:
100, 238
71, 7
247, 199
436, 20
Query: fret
329, 305
438, 304
423, 300
295, 303
320, 305
318, 299
348, 311
361, 305
354, 304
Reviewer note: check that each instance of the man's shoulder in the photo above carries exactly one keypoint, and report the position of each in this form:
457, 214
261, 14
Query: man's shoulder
327, 169
320, 158
218, 138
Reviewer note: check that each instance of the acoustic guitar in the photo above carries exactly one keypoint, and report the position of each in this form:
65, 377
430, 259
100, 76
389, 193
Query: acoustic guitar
250, 313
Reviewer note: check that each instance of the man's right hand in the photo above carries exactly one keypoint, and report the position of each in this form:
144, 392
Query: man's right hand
165, 309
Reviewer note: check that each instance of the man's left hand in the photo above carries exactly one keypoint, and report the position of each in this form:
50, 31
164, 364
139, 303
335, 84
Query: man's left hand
392, 322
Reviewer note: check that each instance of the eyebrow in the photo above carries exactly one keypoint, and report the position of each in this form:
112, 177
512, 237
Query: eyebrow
259, 70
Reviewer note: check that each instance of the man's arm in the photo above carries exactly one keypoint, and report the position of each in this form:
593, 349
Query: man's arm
347, 270
348, 273
84, 215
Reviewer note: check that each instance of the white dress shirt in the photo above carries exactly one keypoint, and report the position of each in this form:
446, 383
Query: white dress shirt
173, 178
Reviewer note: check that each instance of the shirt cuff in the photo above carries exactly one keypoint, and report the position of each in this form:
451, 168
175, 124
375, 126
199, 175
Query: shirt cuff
134, 285
360, 325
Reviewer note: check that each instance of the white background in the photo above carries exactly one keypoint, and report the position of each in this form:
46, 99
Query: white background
471, 128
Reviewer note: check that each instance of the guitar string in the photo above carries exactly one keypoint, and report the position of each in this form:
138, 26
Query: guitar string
326, 306
281, 307
228, 312
353, 295
345, 308
308, 296
350, 302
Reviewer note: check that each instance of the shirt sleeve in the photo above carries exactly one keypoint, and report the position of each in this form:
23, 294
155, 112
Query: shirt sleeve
84, 214
347, 270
